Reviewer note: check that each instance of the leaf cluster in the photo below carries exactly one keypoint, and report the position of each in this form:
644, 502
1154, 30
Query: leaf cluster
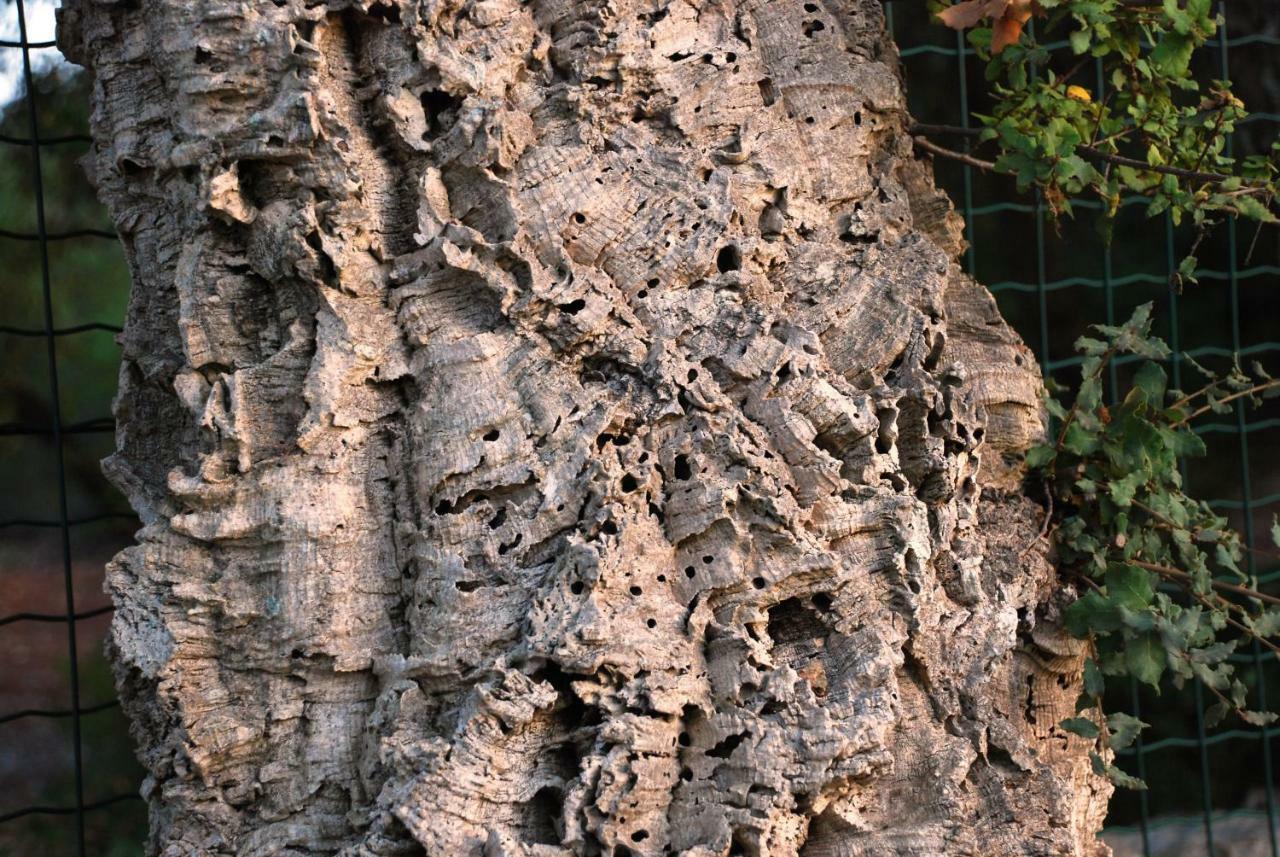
1152, 131
1164, 591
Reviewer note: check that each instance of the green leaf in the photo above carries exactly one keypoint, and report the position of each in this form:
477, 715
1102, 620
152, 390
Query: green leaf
1151, 380
1122, 490
1079, 440
1253, 209
1129, 586
1082, 726
1092, 612
1212, 654
1267, 624
1145, 659
1039, 456
1093, 681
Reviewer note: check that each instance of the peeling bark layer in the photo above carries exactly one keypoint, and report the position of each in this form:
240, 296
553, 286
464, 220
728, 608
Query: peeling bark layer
560, 428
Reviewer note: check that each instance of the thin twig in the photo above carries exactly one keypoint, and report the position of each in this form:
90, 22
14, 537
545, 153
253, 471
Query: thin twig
1122, 161
917, 129
1220, 585
935, 149
1208, 143
1254, 390
1103, 361
1253, 245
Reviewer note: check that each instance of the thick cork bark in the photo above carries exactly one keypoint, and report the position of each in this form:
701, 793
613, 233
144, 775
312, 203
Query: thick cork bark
561, 428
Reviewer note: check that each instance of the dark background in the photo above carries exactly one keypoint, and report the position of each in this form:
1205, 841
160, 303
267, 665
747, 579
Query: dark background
1052, 280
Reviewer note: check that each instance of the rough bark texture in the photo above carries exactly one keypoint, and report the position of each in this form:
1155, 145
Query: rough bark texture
560, 428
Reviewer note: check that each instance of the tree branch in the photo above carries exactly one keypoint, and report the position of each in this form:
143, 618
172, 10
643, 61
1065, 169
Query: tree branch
918, 129
951, 154
1220, 585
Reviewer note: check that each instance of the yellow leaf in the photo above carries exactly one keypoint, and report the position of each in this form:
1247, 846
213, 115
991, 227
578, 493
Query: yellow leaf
1079, 93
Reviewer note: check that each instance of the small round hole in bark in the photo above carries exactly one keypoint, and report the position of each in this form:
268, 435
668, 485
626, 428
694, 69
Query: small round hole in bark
684, 739
708, 559
822, 601
683, 471
636, 590
758, 582
652, 623
492, 434
579, 217
640, 836
629, 483
609, 528
729, 258
574, 307
576, 587
690, 571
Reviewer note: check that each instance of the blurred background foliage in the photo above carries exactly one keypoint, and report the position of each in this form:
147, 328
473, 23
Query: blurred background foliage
1051, 279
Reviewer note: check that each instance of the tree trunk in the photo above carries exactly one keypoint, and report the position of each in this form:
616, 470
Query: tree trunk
561, 428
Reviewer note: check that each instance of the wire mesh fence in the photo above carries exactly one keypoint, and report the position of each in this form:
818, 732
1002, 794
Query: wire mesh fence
75, 789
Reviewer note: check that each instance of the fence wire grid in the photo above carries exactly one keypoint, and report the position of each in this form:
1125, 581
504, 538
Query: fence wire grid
1050, 286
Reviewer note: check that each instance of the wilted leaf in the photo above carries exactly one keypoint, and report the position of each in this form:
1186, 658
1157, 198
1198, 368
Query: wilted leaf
1007, 17
1124, 729
1123, 780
